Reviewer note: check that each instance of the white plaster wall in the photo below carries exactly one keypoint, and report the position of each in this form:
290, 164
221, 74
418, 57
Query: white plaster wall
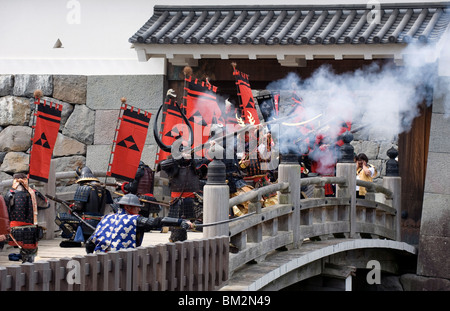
94, 34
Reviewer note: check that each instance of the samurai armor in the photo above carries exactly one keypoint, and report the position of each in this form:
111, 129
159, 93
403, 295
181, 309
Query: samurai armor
91, 219
91, 198
146, 180
21, 208
26, 236
115, 231
82, 193
183, 208
177, 234
28, 255
85, 174
68, 224
186, 181
149, 208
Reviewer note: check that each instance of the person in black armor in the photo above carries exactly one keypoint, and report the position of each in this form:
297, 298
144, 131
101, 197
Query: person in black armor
126, 227
23, 203
90, 201
142, 186
184, 182
227, 153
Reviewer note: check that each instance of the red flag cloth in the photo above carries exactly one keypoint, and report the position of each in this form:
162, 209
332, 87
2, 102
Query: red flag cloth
247, 105
48, 118
129, 143
4, 218
201, 109
173, 127
346, 126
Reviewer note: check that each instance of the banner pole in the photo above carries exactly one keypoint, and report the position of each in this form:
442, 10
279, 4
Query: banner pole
37, 100
238, 91
123, 106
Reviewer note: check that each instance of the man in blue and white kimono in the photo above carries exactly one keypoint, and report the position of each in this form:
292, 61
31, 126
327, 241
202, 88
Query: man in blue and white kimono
125, 228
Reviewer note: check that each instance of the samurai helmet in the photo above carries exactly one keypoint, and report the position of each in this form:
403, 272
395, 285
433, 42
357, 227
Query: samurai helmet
85, 174
130, 199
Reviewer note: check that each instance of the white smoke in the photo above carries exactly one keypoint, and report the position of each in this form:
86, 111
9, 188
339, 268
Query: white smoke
382, 99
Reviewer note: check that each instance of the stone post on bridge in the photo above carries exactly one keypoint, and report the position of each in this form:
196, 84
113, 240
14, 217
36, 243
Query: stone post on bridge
289, 171
393, 182
346, 167
216, 196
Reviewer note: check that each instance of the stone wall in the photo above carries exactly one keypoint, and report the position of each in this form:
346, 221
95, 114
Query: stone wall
91, 106
434, 244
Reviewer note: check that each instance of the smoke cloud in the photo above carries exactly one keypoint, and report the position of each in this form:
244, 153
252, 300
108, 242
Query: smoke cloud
382, 99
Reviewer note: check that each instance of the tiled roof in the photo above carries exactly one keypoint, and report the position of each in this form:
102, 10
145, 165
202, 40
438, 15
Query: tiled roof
294, 25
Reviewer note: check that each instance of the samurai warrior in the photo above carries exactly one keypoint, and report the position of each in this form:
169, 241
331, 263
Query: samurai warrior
90, 202
23, 202
126, 228
184, 182
142, 186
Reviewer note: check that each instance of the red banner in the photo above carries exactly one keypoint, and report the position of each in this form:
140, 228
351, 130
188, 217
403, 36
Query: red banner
48, 118
4, 218
173, 127
201, 109
129, 143
247, 104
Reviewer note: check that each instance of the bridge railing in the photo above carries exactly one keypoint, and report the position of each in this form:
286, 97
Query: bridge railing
194, 265
294, 219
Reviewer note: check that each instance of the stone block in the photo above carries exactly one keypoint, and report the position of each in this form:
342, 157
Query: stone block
97, 156
441, 96
433, 256
66, 146
25, 85
141, 91
6, 84
15, 162
105, 126
439, 133
15, 138
370, 148
4, 176
437, 173
80, 124
66, 111
14, 111
435, 219
68, 164
413, 282
383, 148
70, 88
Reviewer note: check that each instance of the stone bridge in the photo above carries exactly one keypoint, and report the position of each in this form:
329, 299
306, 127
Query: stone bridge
278, 246
271, 248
